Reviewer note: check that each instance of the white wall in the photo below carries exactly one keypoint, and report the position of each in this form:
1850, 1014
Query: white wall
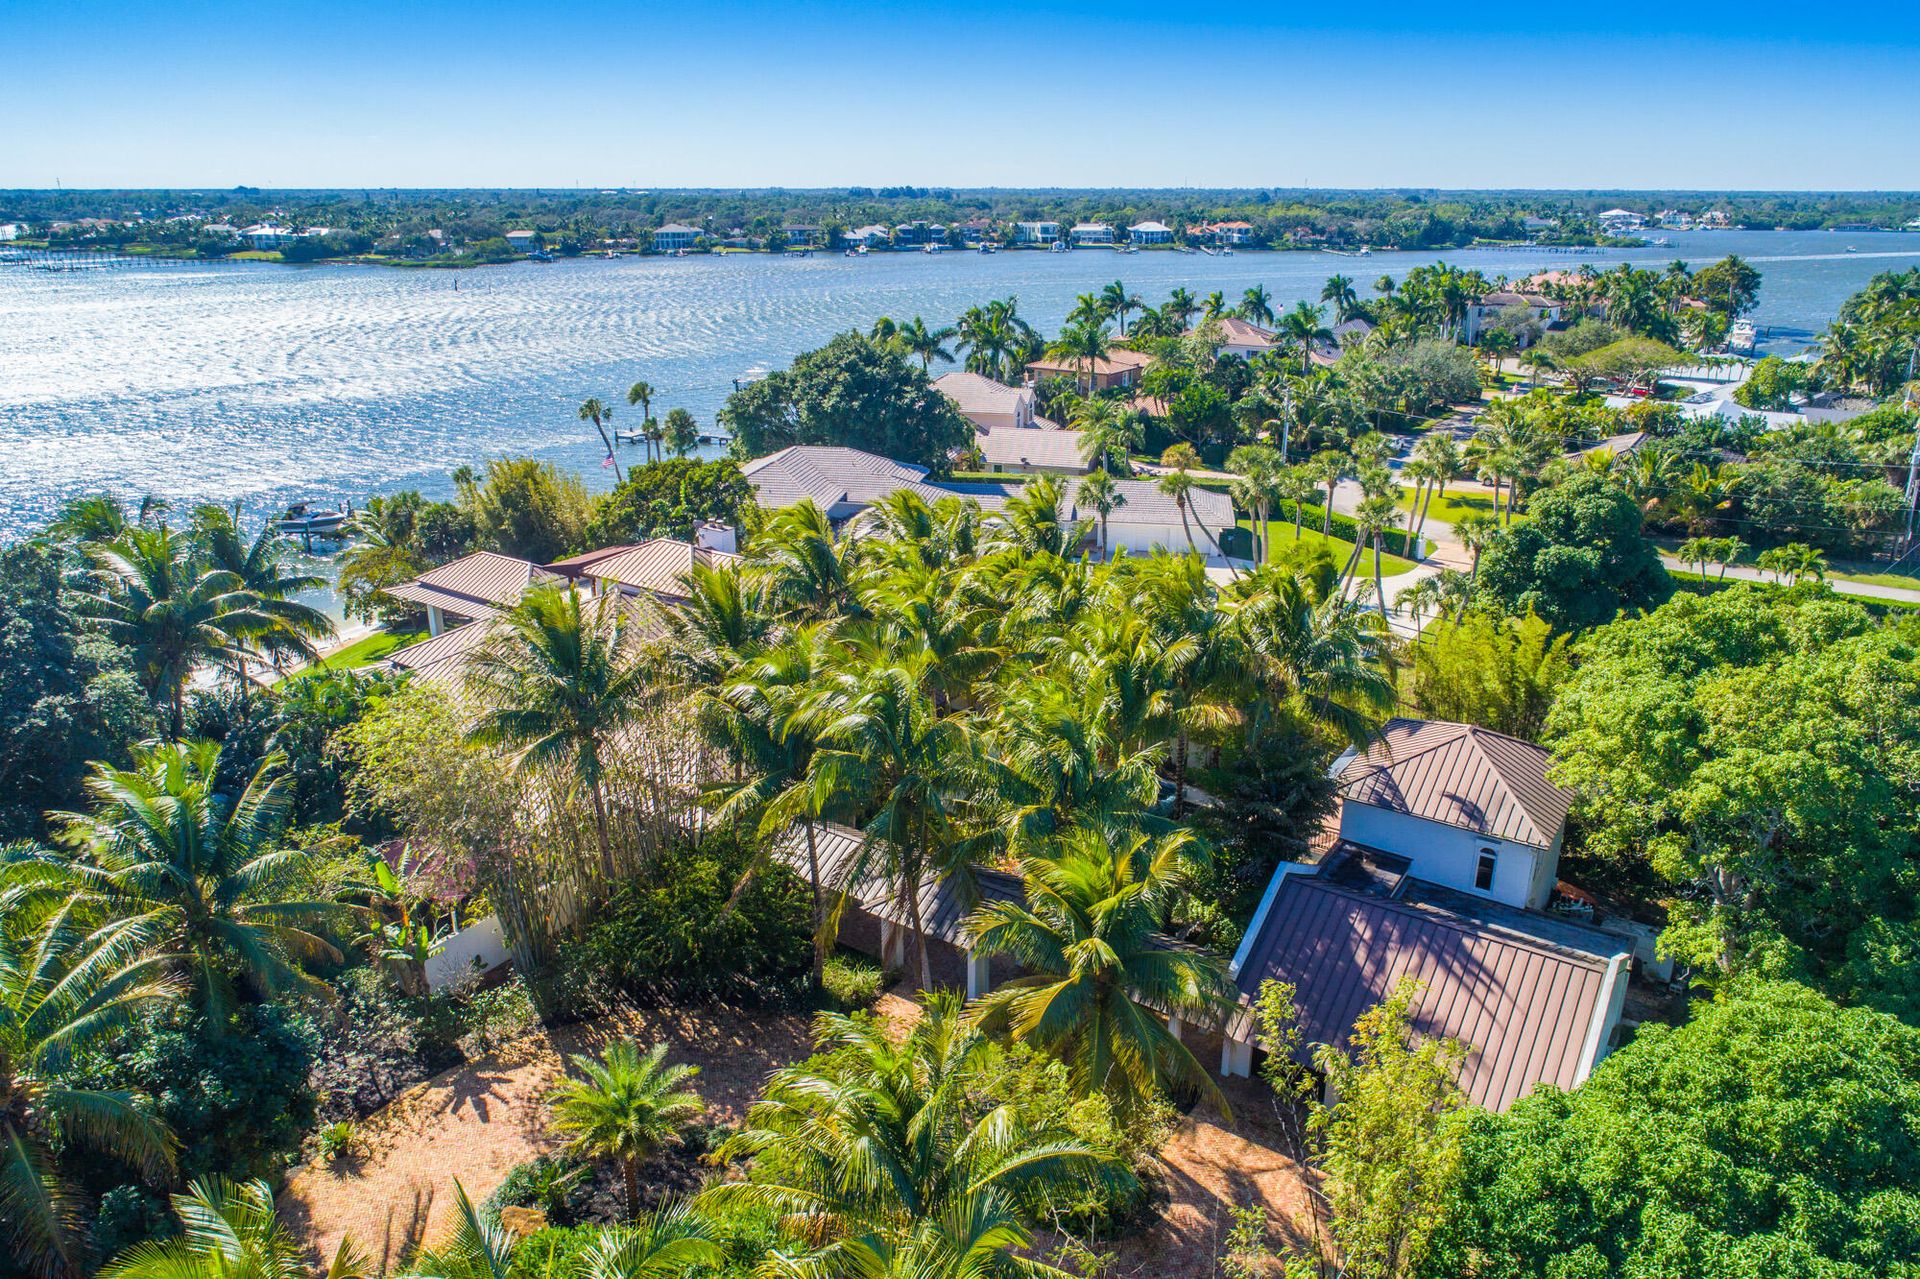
455, 964
1144, 539
1447, 855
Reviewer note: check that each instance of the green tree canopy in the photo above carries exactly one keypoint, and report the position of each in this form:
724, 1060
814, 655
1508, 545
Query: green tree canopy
1579, 561
666, 499
854, 392
1774, 1134
1756, 751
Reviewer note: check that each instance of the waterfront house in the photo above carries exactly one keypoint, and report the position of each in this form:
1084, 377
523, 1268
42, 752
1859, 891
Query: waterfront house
267, 236
1534, 225
1225, 234
988, 404
524, 241
1436, 865
674, 237
472, 587
1032, 452
1620, 221
1120, 368
1036, 234
12, 230
871, 236
656, 567
1243, 338
1528, 315
1091, 234
1149, 233
844, 482
801, 237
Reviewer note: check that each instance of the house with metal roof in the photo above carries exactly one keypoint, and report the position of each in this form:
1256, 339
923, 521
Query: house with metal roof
1472, 809
1436, 866
471, 587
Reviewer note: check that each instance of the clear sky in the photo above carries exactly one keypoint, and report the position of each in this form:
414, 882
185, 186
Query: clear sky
1050, 93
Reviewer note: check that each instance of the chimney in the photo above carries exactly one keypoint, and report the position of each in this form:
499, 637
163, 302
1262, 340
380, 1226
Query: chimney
712, 535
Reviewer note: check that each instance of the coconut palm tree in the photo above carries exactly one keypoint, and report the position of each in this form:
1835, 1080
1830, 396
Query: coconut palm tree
65, 990
1102, 976
1303, 327
1439, 453
807, 569
1214, 305
1536, 362
881, 1164
1421, 598
625, 1108
164, 844
1295, 484
641, 394
1696, 550
925, 344
1792, 562
1100, 494
1178, 485
1309, 646
681, 433
1258, 488
229, 1230
886, 751
1338, 292
1256, 305
1119, 303
1475, 530
1083, 345
1181, 306
557, 683
265, 570
152, 591
1108, 433
592, 410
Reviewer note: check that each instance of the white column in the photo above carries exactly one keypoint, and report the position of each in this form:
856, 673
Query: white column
1236, 1057
979, 976
434, 620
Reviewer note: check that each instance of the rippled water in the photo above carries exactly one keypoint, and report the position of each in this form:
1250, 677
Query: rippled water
261, 383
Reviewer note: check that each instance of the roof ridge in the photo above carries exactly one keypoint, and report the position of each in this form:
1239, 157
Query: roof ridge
1445, 918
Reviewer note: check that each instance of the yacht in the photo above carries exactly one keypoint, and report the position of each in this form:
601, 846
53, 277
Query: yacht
306, 520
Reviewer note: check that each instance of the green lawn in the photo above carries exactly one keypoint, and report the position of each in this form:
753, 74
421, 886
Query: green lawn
366, 651
1449, 507
1281, 532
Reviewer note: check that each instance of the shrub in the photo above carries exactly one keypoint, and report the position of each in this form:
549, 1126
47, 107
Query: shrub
672, 934
558, 1185
339, 1139
853, 981
497, 1014
129, 1215
239, 1101
558, 1252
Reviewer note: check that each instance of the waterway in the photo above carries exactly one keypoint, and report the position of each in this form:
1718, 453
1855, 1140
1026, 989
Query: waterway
259, 383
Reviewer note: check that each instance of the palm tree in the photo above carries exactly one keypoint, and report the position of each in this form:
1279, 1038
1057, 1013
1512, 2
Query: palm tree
1338, 293
1307, 645
1536, 361
1703, 491
1102, 975
265, 572
674, 1241
626, 1108
1108, 433
1259, 467
884, 749
1100, 494
1422, 597
1475, 529
1178, 485
1439, 452
477, 1249
1303, 327
164, 844
599, 414
1084, 345
1295, 484
806, 568
1794, 561
1329, 468
881, 1165
681, 433
158, 598
1696, 550
1118, 303
1256, 305
63, 992
557, 682
641, 393
1214, 305
1181, 306
916, 339
229, 1230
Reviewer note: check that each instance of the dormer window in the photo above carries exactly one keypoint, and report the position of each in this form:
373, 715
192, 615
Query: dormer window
1483, 873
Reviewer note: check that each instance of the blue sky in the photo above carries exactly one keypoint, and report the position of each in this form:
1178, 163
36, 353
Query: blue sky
1055, 93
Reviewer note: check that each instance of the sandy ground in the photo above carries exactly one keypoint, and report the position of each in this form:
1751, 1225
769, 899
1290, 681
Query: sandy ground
475, 1122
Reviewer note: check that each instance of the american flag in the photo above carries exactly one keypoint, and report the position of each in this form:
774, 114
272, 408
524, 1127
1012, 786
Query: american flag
606, 461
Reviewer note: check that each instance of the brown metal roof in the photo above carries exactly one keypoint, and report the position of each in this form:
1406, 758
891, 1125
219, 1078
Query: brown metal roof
945, 904
1461, 775
474, 585
659, 565
1524, 1006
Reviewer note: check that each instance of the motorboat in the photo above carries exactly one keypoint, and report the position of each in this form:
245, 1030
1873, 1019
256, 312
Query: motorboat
1059, 246
933, 246
303, 519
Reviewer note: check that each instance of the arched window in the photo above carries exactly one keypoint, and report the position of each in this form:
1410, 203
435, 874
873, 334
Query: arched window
1483, 873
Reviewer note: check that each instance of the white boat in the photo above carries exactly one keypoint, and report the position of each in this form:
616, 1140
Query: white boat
1059, 246
755, 374
305, 520
1742, 337
933, 246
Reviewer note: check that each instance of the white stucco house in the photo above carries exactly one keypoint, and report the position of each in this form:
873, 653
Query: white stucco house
1150, 233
